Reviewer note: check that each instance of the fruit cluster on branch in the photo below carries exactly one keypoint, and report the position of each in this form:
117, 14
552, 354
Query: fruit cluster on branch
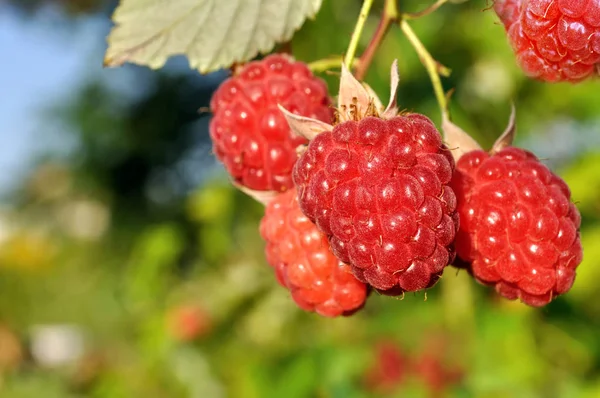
365, 197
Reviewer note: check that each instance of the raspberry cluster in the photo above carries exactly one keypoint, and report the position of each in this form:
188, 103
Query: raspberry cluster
303, 263
554, 40
377, 200
379, 190
250, 135
519, 230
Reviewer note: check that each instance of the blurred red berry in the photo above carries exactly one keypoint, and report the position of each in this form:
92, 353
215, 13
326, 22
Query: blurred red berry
188, 322
431, 370
388, 370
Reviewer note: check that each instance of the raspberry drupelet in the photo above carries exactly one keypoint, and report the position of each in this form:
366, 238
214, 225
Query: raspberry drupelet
554, 40
249, 133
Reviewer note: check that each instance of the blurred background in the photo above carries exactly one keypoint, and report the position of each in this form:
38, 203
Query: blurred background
129, 267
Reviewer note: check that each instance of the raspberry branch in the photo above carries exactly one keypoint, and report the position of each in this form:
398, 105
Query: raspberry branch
360, 24
325, 64
426, 11
390, 15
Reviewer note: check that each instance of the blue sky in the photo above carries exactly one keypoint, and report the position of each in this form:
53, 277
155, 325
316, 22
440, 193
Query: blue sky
41, 65
45, 61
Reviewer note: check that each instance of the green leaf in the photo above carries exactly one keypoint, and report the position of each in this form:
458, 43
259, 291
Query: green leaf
212, 33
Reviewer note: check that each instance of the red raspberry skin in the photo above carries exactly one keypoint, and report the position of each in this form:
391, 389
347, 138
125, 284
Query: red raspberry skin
379, 190
304, 263
554, 40
250, 134
519, 231
507, 10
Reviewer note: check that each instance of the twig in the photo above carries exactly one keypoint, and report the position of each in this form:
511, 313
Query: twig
425, 12
390, 14
430, 64
360, 24
325, 64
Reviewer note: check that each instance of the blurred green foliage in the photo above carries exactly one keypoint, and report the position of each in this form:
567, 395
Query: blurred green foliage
117, 238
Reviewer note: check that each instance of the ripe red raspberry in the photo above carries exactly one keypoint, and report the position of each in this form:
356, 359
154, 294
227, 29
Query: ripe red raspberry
519, 231
554, 40
303, 262
188, 322
379, 190
250, 135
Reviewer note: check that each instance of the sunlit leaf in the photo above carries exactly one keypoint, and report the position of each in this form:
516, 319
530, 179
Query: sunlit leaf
212, 33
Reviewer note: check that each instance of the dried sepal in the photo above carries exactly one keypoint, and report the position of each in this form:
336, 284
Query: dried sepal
375, 99
458, 141
354, 101
300, 149
263, 197
392, 108
304, 126
508, 136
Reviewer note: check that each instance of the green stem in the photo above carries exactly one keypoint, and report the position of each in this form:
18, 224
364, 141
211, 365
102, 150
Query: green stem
322, 65
426, 11
390, 14
430, 64
391, 9
360, 24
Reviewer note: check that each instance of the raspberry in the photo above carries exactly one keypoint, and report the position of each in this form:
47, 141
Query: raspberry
519, 231
250, 135
438, 378
188, 322
390, 369
303, 262
554, 40
379, 190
